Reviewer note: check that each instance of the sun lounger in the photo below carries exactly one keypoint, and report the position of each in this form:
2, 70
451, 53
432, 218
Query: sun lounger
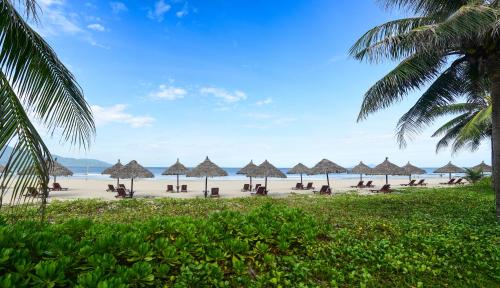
421, 183
184, 188
170, 188
385, 189
369, 184
412, 183
298, 186
122, 193
111, 188
214, 193
359, 185
246, 188
460, 181
257, 187
325, 189
57, 187
451, 182
261, 191
32, 192
309, 186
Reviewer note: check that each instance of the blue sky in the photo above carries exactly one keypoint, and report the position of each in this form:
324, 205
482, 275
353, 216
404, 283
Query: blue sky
234, 80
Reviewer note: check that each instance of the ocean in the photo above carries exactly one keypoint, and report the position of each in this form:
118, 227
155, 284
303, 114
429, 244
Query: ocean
95, 173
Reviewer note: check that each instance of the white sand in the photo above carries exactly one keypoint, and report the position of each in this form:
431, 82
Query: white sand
95, 188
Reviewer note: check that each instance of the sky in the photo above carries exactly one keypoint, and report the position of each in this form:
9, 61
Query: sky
232, 80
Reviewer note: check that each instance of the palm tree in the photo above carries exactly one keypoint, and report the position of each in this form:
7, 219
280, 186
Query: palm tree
34, 86
453, 45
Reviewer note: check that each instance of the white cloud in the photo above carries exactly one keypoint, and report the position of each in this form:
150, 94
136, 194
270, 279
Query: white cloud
168, 92
183, 12
259, 115
159, 10
226, 96
117, 7
264, 102
117, 114
96, 27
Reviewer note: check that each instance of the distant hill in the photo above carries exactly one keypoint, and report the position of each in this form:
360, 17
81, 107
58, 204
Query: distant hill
66, 161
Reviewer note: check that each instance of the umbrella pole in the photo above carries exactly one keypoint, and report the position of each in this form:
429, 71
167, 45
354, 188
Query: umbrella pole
327, 180
131, 187
409, 177
386, 179
250, 182
177, 183
450, 175
301, 184
206, 186
117, 182
54, 178
360, 177
265, 184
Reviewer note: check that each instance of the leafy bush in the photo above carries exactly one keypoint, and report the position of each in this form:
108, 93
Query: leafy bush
423, 237
473, 175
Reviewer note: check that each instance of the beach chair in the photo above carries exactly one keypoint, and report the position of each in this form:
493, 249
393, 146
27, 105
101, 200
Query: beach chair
214, 193
257, 186
170, 188
111, 188
122, 193
184, 188
309, 186
385, 189
298, 186
246, 188
31, 192
411, 183
451, 182
325, 189
57, 187
460, 181
261, 191
369, 184
359, 185
421, 183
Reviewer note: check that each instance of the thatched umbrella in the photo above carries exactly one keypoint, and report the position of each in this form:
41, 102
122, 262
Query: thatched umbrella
266, 169
247, 170
449, 168
387, 168
361, 169
176, 169
131, 171
206, 169
299, 169
112, 170
57, 169
483, 167
326, 167
412, 170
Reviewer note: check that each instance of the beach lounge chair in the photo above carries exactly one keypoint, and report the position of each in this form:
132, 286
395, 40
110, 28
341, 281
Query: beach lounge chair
385, 189
421, 183
214, 193
31, 192
325, 189
460, 181
412, 183
359, 185
261, 191
257, 187
451, 182
184, 188
246, 188
122, 193
111, 188
298, 186
309, 186
170, 188
123, 186
369, 184
57, 187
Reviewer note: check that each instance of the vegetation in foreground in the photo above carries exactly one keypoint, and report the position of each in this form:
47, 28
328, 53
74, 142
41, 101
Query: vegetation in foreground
421, 237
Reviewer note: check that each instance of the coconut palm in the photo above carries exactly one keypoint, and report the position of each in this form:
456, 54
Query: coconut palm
34, 85
451, 45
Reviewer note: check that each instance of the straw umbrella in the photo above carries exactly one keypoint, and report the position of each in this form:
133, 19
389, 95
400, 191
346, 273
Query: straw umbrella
299, 169
176, 169
247, 169
266, 169
132, 171
206, 169
326, 166
412, 170
57, 169
387, 168
449, 168
483, 167
112, 170
361, 169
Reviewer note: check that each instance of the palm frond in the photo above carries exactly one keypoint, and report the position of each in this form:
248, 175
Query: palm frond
425, 7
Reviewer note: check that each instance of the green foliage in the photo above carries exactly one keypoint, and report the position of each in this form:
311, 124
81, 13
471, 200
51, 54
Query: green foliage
419, 237
472, 175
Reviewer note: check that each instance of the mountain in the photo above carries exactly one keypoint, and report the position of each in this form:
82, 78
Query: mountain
66, 161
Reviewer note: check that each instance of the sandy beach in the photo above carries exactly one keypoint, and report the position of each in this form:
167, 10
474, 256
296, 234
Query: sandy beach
96, 188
